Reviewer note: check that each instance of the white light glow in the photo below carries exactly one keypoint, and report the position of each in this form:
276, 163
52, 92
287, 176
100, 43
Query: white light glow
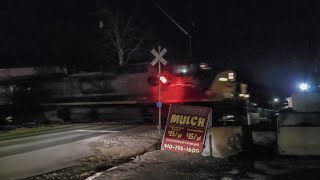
231, 76
223, 79
163, 79
304, 86
204, 66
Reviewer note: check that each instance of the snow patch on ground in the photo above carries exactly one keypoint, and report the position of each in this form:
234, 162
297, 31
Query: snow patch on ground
129, 144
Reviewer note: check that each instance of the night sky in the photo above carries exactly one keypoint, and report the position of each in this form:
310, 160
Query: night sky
277, 40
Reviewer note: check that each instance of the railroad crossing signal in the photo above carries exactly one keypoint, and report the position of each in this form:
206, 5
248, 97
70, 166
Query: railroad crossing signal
159, 57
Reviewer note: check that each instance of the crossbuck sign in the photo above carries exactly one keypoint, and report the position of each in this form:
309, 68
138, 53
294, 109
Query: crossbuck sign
159, 57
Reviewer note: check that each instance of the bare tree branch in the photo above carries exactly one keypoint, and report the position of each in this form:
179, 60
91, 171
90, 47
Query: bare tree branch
126, 28
134, 50
124, 35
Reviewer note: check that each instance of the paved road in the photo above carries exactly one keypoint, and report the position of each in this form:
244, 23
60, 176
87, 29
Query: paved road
25, 157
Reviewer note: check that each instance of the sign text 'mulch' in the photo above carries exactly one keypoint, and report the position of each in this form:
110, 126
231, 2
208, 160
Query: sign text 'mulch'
188, 120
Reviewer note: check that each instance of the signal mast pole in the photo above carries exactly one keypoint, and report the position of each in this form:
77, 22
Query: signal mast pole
159, 93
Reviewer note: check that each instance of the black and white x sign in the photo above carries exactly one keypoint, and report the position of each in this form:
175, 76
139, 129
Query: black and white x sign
159, 57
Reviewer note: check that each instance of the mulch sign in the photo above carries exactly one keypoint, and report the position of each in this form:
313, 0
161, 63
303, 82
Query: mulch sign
186, 128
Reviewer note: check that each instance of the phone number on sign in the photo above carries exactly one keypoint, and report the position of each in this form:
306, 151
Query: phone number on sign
181, 148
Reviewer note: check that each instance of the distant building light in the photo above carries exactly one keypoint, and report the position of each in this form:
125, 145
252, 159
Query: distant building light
204, 66
276, 100
228, 117
223, 79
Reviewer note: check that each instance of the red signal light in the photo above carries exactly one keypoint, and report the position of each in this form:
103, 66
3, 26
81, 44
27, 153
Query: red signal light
154, 81
163, 80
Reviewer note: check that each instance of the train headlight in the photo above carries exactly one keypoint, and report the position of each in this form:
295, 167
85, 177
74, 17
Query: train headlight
223, 79
231, 76
184, 70
304, 86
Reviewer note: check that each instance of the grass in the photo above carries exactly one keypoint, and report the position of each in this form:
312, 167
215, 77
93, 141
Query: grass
34, 131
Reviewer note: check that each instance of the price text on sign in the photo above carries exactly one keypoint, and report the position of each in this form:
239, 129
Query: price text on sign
186, 128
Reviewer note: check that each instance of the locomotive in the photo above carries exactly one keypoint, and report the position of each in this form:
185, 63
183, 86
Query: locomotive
130, 93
